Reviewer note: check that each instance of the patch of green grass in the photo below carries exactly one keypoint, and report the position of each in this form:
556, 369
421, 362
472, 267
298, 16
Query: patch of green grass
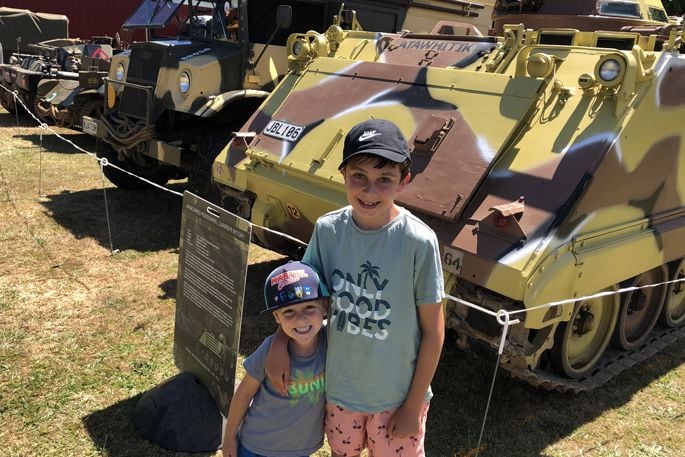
7, 298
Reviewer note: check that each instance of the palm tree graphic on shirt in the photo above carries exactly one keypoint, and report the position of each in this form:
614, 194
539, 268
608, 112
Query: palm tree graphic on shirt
368, 270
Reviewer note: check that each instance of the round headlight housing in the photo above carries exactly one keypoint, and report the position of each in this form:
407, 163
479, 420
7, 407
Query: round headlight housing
540, 65
610, 70
298, 48
184, 82
119, 72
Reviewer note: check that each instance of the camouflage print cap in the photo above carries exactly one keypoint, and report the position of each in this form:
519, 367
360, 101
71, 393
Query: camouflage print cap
377, 137
292, 283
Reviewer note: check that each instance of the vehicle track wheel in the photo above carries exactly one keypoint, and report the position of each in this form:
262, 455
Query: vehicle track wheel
640, 309
580, 342
7, 101
154, 172
93, 107
673, 313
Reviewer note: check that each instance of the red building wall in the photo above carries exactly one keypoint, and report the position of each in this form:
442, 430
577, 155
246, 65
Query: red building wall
86, 17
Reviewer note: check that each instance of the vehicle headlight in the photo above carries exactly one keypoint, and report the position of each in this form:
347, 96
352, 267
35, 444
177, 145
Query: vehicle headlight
119, 73
184, 82
610, 70
299, 49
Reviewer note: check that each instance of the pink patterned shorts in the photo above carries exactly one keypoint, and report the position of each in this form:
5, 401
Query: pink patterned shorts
349, 432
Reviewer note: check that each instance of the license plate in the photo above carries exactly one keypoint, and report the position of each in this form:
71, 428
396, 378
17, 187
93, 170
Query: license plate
283, 131
90, 126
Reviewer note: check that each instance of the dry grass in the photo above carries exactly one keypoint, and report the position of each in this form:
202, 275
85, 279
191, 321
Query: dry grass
84, 333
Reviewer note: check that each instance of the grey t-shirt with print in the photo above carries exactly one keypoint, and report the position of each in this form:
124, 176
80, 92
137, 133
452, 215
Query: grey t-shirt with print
292, 426
377, 278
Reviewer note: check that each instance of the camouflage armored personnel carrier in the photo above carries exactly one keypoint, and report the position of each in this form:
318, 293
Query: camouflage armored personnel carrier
171, 104
550, 163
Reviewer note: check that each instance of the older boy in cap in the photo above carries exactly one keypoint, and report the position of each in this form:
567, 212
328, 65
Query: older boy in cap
274, 425
386, 329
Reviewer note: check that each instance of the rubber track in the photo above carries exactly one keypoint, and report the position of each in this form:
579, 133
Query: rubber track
612, 363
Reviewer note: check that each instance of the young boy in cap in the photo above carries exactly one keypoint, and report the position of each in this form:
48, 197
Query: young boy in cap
386, 328
275, 425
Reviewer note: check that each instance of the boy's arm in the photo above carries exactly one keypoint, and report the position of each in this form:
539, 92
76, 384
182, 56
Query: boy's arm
405, 422
277, 364
236, 413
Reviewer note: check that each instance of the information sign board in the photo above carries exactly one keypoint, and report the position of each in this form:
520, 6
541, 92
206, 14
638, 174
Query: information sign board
212, 269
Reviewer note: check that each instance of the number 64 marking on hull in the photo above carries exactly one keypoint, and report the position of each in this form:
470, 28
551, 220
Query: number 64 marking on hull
452, 260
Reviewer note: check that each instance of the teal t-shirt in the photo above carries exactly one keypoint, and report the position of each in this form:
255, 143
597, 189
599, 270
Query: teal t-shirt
377, 278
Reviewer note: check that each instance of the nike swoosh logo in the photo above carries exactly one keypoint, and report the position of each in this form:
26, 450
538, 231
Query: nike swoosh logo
366, 135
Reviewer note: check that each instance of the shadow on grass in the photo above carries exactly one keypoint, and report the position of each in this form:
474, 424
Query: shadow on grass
12, 120
29, 130
115, 435
140, 220
52, 143
522, 421
168, 289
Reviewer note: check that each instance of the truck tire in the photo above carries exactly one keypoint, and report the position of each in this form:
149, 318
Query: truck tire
156, 173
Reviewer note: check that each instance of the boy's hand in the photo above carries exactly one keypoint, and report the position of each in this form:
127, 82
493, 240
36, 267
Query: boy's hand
277, 366
405, 422
230, 447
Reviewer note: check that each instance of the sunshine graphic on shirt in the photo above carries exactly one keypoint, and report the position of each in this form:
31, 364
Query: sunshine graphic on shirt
305, 384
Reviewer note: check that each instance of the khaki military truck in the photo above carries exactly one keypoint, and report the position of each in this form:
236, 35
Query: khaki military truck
550, 162
171, 104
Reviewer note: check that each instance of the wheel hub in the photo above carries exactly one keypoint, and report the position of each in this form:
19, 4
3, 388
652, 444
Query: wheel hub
638, 302
584, 323
679, 287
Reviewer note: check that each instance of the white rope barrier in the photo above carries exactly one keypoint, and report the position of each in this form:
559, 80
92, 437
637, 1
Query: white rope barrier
504, 317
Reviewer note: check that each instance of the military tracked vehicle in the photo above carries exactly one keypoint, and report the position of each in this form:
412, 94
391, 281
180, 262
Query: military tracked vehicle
63, 98
550, 163
20, 30
171, 104
49, 64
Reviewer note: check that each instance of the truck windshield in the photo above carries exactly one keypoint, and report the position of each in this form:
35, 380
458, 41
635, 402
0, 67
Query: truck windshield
152, 14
